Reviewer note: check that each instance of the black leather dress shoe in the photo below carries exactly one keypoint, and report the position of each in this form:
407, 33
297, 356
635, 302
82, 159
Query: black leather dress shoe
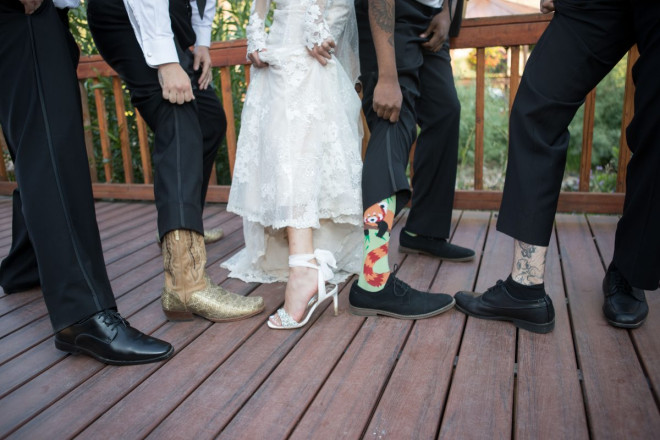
625, 306
109, 338
536, 315
437, 247
398, 300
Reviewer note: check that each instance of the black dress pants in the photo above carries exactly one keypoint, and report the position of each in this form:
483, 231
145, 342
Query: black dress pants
582, 43
54, 225
187, 136
430, 101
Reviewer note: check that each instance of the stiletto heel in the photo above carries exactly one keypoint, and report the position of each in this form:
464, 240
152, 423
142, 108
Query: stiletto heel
335, 303
325, 261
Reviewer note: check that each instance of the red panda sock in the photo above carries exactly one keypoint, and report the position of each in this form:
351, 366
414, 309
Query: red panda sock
378, 220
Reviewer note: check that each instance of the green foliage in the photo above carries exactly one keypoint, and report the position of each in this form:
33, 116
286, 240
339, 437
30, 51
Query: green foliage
607, 127
230, 22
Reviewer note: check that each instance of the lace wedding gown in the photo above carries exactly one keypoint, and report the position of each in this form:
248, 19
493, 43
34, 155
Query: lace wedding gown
298, 159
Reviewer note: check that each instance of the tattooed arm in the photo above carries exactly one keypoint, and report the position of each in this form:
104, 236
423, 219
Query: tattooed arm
387, 94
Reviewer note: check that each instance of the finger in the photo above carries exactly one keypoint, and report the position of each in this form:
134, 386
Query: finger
435, 42
180, 98
394, 116
196, 62
188, 96
427, 32
172, 97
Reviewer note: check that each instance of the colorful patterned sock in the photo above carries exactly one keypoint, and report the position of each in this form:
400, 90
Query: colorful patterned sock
378, 220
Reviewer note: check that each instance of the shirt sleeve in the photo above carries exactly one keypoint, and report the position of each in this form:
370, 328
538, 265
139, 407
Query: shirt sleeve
203, 25
66, 3
316, 29
151, 24
255, 30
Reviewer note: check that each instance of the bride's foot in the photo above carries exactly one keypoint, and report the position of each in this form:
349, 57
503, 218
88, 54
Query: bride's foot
301, 288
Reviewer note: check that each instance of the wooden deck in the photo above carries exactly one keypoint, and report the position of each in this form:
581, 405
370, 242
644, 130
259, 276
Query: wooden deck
345, 376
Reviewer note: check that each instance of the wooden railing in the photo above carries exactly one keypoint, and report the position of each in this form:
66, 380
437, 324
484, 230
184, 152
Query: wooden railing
513, 32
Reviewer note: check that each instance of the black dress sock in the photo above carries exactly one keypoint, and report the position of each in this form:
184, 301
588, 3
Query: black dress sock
523, 292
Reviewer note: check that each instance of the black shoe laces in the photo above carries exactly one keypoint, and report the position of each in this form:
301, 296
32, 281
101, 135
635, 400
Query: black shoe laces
620, 282
113, 319
400, 288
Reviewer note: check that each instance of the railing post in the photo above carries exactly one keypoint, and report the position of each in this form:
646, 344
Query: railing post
228, 105
628, 112
479, 120
587, 140
145, 153
120, 109
103, 130
89, 138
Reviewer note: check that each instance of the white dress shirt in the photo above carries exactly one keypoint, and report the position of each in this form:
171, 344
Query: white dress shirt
431, 3
150, 20
66, 3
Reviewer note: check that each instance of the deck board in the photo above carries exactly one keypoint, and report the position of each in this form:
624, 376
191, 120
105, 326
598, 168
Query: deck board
341, 377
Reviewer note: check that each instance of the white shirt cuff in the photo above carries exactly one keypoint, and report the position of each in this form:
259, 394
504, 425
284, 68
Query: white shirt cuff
203, 34
160, 51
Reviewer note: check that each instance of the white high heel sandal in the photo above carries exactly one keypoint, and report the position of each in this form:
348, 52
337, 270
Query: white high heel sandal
325, 261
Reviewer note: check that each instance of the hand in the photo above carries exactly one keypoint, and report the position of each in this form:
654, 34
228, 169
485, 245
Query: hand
31, 5
175, 83
387, 99
256, 61
203, 59
439, 28
323, 52
547, 6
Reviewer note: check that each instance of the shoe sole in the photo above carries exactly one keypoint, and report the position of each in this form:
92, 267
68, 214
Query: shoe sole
408, 250
70, 348
357, 311
633, 325
189, 316
526, 325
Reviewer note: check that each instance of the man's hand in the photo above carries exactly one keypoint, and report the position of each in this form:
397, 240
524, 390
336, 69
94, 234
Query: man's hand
323, 52
31, 5
387, 99
437, 32
175, 83
203, 59
256, 61
547, 6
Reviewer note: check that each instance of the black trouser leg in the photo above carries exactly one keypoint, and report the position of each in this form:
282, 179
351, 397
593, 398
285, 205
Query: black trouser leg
436, 153
384, 171
19, 270
637, 242
40, 115
582, 43
178, 145
213, 123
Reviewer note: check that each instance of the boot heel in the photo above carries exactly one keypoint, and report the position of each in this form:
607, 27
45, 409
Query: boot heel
178, 316
64, 346
361, 312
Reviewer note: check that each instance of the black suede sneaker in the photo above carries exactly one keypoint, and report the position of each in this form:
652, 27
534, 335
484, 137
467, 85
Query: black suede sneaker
625, 306
397, 300
437, 247
537, 315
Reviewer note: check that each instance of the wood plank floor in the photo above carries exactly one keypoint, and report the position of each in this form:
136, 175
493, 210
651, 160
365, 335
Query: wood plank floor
350, 377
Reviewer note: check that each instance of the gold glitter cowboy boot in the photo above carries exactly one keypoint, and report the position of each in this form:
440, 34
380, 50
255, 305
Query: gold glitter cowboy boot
213, 235
189, 291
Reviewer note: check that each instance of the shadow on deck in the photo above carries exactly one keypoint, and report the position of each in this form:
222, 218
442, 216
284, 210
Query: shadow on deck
345, 376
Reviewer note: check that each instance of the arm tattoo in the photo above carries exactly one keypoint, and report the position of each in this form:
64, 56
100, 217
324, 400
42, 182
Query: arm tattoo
381, 12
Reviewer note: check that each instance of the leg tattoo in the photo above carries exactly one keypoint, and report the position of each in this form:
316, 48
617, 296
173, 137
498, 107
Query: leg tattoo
529, 263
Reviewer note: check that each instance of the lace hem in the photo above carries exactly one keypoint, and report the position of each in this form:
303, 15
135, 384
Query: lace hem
350, 218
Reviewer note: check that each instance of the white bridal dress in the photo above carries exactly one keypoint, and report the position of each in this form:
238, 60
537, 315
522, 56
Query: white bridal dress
298, 159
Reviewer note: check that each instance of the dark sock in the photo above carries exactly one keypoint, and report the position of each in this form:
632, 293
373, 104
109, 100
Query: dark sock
523, 292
